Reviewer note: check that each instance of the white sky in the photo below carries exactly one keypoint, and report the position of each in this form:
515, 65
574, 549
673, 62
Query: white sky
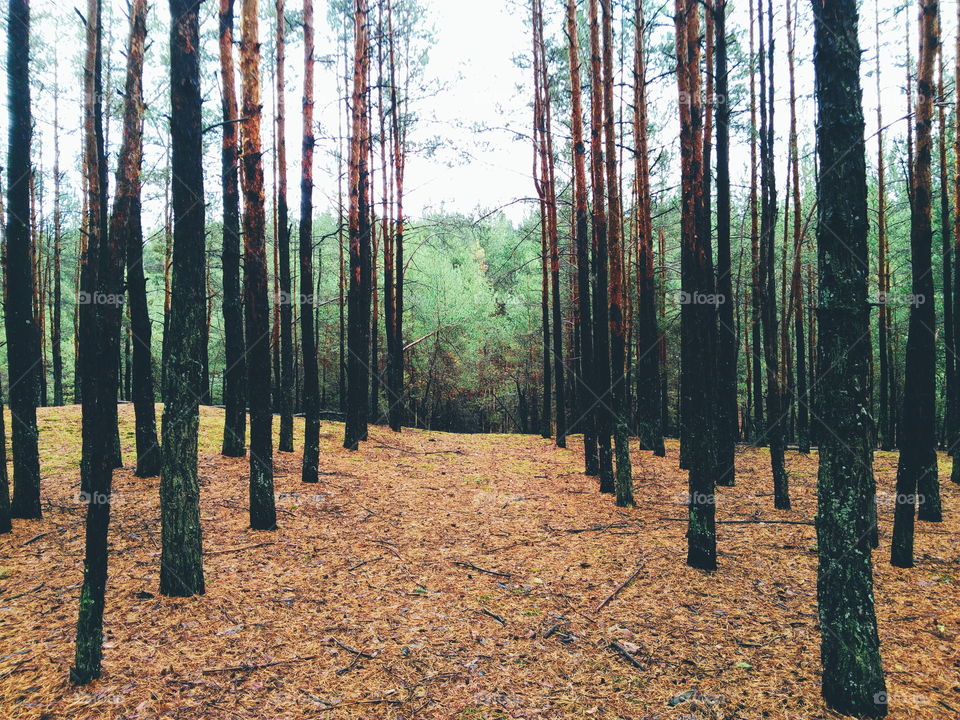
480, 86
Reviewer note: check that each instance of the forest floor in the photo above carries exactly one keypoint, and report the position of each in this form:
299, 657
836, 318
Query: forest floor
433, 575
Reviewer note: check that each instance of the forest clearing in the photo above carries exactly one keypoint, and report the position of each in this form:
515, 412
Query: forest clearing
356, 607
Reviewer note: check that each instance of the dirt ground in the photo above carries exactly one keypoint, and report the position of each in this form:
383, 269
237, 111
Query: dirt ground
433, 575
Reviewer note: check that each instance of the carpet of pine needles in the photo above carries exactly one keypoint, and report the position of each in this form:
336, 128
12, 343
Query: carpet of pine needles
434, 575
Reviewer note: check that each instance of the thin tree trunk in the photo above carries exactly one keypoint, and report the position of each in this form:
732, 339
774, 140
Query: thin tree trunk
755, 290
23, 347
358, 323
181, 559
311, 405
101, 285
852, 679
698, 338
283, 246
586, 386
263, 513
623, 483
917, 481
397, 132
886, 411
601, 309
955, 350
768, 298
234, 374
727, 332
56, 326
127, 233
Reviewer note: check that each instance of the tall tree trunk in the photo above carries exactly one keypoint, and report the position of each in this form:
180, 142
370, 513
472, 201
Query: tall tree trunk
698, 338
849, 647
550, 206
886, 399
263, 513
601, 310
768, 297
101, 287
955, 350
728, 428
795, 304
755, 290
618, 357
283, 246
56, 326
234, 374
181, 568
23, 347
358, 322
586, 387
311, 401
950, 413
398, 134
649, 400
917, 481
127, 233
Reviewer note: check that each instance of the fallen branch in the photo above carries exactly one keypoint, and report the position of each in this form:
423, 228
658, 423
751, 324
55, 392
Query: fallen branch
238, 549
358, 653
256, 666
471, 566
621, 586
26, 592
494, 616
36, 537
595, 528
622, 652
365, 562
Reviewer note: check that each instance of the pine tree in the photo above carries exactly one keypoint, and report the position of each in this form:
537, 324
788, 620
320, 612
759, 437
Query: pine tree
849, 647
263, 513
23, 347
234, 375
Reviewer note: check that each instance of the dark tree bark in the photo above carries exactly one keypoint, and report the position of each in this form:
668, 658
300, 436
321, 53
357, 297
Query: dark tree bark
234, 374
917, 481
56, 335
263, 512
728, 428
955, 350
795, 305
358, 298
586, 385
884, 345
181, 559
127, 233
283, 248
23, 347
100, 302
698, 339
623, 482
548, 194
5, 524
649, 400
755, 290
768, 297
850, 649
950, 410
599, 268
394, 319
311, 400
